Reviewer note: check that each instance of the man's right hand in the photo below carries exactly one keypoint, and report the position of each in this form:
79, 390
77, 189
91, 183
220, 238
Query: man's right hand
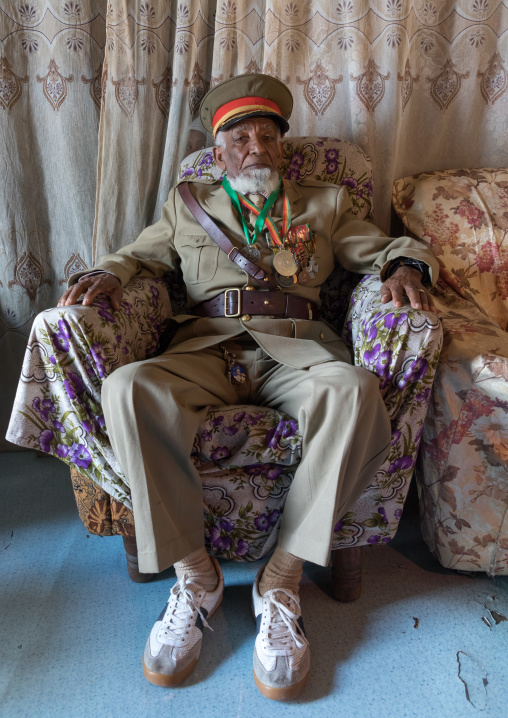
91, 285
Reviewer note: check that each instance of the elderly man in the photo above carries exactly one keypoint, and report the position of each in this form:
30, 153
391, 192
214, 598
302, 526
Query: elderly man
253, 335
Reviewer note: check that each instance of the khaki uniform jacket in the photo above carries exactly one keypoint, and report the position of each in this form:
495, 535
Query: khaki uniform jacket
341, 238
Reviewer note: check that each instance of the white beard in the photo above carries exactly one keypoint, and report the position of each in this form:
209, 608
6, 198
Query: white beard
256, 181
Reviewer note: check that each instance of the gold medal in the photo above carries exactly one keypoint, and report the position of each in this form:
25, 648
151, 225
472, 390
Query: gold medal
284, 263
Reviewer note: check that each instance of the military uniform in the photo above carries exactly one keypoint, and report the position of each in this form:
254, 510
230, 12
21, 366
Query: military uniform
300, 366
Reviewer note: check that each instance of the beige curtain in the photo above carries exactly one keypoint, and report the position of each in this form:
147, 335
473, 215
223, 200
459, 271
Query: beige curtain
418, 84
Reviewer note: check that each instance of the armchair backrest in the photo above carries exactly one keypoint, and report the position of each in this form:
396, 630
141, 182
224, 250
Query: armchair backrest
322, 158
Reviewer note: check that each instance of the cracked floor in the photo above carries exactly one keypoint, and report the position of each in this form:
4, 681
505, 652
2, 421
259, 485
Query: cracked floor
421, 641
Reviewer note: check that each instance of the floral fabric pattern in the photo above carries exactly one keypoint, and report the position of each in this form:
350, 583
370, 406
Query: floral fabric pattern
246, 455
462, 470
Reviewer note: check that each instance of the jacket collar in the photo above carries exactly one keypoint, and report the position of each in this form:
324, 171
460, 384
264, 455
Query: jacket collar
219, 205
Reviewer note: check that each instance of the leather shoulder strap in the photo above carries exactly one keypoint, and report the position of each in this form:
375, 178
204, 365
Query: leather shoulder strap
222, 241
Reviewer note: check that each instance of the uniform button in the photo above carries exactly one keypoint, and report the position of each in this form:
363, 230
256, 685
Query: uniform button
266, 301
245, 317
322, 335
250, 289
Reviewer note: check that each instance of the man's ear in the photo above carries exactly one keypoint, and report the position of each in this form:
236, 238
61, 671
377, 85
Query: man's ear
218, 155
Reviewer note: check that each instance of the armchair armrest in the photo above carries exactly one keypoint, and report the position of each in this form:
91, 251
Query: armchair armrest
400, 345
71, 350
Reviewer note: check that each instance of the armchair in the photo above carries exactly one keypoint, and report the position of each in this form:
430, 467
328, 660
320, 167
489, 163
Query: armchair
246, 455
462, 471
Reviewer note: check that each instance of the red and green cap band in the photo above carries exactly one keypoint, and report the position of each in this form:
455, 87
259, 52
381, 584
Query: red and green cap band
243, 107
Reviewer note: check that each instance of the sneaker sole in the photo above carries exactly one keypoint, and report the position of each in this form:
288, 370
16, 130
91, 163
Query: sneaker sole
169, 680
280, 694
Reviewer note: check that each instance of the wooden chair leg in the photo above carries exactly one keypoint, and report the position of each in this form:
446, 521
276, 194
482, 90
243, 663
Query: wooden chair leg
347, 573
131, 553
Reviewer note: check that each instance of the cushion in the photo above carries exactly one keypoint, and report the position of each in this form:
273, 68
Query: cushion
463, 216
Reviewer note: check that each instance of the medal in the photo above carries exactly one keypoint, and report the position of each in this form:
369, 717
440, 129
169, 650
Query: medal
303, 277
251, 253
284, 281
284, 263
234, 372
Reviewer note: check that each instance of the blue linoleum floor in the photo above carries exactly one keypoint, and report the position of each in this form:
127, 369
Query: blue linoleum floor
73, 627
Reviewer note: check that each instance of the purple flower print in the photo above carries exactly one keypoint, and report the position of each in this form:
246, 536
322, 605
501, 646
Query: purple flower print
262, 522
253, 420
187, 173
350, 182
402, 463
383, 362
220, 452
99, 357
64, 328
44, 407
217, 421
52, 360
293, 174
331, 168
45, 439
241, 548
79, 456
88, 426
423, 395
297, 159
73, 385
372, 333
320, 143
239, 417
155, 296
338, 526
62, 451
206, 160
101, 421
371, 354
394, 320
331, 155
58, 426
398, 513
418, 369
368, 187
207, 436
230, 430
378, 539
254, 469
382, 512
273, 472
105, 313
126, 307
274, 517
226, 524
284, 429
396, 436
222, 543
60, 342
199, 172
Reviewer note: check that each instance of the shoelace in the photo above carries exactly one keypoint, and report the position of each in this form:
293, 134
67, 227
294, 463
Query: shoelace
283, 627
178, 617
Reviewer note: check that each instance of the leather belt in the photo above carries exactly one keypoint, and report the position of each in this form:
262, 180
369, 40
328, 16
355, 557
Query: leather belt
246, 303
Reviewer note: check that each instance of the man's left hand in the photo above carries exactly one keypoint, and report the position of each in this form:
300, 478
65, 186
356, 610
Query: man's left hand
407, 282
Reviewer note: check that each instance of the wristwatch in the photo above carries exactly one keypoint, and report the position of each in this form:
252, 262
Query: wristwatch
409, 262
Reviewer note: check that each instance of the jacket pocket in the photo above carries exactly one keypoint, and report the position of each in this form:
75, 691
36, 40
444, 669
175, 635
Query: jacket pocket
199, 257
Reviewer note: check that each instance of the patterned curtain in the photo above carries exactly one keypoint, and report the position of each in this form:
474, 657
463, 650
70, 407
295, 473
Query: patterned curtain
99, 101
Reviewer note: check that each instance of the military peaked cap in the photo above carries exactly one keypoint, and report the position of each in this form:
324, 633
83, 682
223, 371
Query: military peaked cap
252, 95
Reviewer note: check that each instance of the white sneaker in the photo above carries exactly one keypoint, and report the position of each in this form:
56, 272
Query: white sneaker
173, 647
281, 652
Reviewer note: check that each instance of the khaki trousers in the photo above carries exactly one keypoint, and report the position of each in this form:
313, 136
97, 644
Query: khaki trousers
153, 410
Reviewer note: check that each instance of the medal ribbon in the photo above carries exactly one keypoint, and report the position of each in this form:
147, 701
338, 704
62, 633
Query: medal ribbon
239, 199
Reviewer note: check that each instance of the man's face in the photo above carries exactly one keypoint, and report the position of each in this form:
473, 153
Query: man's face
250, 145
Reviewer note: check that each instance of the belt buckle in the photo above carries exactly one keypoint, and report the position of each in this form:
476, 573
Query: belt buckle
239, 301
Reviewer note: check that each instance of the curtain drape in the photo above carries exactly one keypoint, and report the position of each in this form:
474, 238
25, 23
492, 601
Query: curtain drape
98, 104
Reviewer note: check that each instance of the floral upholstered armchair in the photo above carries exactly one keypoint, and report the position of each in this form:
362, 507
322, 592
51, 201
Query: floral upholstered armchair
462, 470
246, 455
